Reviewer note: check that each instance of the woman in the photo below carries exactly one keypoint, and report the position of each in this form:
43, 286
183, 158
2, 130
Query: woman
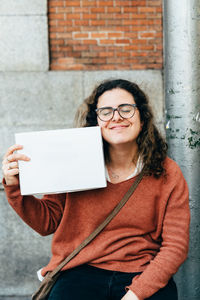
143, 246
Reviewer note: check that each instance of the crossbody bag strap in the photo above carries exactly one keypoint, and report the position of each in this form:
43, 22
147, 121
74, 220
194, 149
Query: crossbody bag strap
101, 226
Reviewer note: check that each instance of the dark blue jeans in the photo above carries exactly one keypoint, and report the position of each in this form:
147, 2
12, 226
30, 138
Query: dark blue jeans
90, 283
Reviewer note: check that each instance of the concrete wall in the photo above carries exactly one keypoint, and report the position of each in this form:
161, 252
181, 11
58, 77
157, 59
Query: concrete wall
31, 98
24, 35
41, 101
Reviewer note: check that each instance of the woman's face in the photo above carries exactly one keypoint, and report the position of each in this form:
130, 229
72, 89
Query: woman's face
119, 130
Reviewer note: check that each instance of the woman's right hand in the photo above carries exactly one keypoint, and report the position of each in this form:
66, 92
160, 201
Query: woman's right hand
10, 164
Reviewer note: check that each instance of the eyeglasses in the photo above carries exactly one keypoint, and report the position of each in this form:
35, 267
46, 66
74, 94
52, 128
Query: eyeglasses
125, 111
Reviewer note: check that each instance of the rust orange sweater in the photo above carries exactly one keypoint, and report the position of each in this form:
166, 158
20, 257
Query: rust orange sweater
149, 235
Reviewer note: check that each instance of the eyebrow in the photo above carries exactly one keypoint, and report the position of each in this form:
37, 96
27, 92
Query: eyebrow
117, 106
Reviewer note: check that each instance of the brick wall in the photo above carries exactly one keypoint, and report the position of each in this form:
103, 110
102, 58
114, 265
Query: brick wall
105, 35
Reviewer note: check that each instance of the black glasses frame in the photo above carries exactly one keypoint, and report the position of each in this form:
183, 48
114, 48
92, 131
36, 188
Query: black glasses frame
115, 109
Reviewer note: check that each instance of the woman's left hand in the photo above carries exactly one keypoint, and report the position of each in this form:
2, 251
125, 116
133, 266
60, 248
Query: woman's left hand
130, 296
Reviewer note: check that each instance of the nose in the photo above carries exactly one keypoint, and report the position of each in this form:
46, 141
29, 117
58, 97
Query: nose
116, 115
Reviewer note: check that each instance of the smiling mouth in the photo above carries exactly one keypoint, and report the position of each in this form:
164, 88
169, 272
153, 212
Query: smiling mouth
118, 127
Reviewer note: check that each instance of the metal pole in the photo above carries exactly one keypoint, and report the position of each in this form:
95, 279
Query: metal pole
182, 95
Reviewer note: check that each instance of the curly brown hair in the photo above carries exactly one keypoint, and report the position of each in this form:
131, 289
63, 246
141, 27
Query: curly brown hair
151, 145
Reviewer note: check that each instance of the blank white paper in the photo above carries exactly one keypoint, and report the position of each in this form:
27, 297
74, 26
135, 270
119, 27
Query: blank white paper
61, 160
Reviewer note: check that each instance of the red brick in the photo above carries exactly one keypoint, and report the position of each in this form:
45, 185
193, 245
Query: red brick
114, 22
159, 21
154, 41
138, 3
154, 66
130, 60
57, 16
131, 34
52, 22
81, 22
53, 9
158, 35
98, 22
64, 9
90, 28
139, 42
159, 9
57, 42
147, 34
138, 16
79, 35
85, 60
88, 54
57, 29
114, 60
75, 67
138, 28
98, 35
138, 67
56, 3
80, 9
88, 3
122, 16
72, 28
107, 16
147, 9
139, 54
74, 54
122, 41
131, 22
116, 49
107, 42
64, 23
105, 35
80, 47
57, 55
98, 60
73, 16
53, 48
146, 22
97, 48
154, 3
90, 42
64, 35
123, 54
89, 16
107, 67
154, 16
115, 34
72, 3
97, 9
64, 48
159, 46
105, 3
114, 9
73, 42
147, 47
132, 47
123, 3
122, 28
106, 54
130, 9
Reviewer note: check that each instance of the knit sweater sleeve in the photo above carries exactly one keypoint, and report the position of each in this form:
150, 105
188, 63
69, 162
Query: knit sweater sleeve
43, 215
174, 247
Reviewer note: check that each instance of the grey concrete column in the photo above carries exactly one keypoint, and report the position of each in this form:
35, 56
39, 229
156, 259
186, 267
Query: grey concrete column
182, 93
